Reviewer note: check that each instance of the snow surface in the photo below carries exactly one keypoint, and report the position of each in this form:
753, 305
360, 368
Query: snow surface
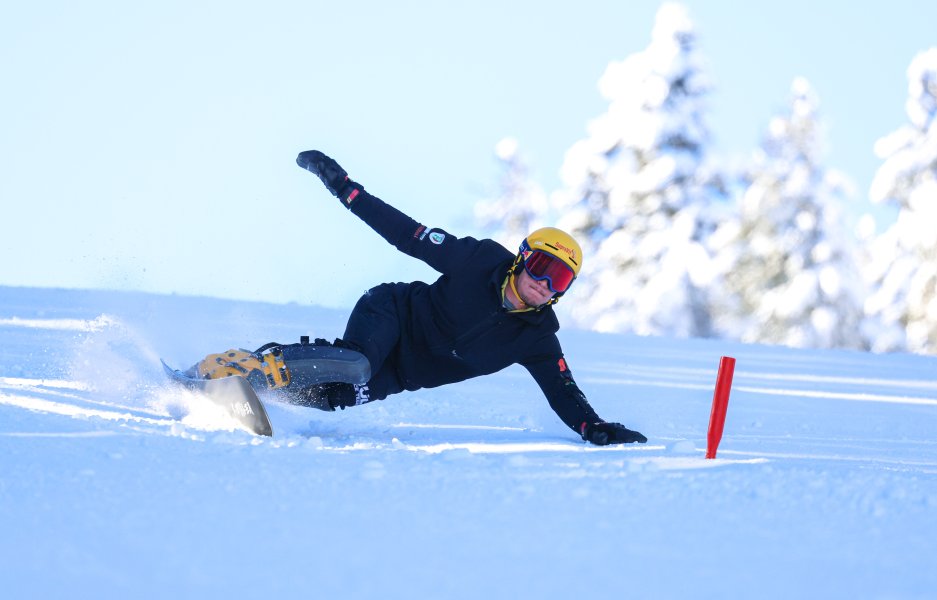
114, 484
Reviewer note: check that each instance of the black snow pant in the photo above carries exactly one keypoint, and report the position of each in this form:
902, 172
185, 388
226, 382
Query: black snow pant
374, 330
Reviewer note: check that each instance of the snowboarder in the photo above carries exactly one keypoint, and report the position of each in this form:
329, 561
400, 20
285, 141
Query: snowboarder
488, 310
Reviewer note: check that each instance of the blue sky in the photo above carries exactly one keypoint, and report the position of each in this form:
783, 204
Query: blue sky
150, 145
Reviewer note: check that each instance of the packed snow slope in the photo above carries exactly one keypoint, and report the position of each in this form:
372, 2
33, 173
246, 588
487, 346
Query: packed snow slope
115, 484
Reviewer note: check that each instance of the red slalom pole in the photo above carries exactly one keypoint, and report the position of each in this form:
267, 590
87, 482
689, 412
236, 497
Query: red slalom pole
717, 419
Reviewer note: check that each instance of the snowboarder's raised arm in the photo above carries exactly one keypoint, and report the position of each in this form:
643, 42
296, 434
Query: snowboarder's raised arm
439, 249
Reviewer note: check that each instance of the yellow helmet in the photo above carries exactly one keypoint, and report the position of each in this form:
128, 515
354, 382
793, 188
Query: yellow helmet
555, 242
553, 255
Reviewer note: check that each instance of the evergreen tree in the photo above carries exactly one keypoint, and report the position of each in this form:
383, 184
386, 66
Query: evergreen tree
520, 205
637, 190
787, 271
903, 269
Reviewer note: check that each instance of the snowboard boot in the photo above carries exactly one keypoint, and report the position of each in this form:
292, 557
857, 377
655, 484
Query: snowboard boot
291, 367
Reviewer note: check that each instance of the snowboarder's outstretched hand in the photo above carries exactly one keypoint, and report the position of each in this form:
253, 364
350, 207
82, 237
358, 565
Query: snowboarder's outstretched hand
331, 173
603, 434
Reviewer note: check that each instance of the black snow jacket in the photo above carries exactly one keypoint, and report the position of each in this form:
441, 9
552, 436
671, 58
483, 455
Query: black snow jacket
457, 328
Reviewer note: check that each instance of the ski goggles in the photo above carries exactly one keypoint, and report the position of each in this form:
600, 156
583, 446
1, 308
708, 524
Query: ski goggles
558, 274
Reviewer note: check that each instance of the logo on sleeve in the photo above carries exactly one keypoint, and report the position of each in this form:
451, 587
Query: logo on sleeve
437, 237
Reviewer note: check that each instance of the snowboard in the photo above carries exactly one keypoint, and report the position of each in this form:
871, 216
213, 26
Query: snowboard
234, 394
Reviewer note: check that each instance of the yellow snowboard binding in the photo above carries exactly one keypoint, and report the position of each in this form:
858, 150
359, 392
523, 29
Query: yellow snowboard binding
269, 367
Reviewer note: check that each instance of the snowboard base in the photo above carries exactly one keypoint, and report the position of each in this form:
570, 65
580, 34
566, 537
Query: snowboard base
234, 394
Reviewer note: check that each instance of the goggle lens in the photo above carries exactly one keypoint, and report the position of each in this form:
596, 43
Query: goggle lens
558, 274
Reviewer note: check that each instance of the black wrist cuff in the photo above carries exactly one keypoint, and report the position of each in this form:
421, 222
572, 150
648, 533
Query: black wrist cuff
349, 192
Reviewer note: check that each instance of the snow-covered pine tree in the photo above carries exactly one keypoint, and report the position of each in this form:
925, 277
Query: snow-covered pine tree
787, 273
903, 271
636, 191
520, 205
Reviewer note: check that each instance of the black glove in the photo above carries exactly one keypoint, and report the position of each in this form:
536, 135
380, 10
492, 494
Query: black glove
330, 172
603, 434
